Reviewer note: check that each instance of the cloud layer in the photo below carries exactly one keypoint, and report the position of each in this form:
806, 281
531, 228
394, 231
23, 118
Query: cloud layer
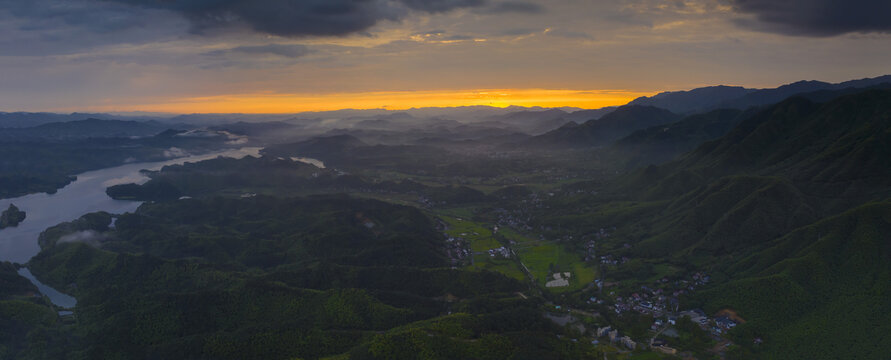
291, 51
295, 18
816, 17
67, 55
521, 7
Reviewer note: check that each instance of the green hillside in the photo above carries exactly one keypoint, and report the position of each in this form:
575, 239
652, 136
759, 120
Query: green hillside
810, 287
268, 277
821, 291
663, 143
603, 131
788, 212
30, 328
834, 149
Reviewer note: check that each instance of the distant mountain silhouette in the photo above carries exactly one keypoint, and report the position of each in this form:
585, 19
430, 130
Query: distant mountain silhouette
585, 115
31, 119
81, 129
662, 143
695, 100
528, 121
735, 97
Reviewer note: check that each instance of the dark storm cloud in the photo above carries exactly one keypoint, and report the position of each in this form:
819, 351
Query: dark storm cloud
816, 17
48, 14
52, 27
283, 50
257, 56
522, 7
299, 17
441, 5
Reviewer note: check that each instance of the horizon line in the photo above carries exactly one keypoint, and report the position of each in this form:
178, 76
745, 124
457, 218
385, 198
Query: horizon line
296, 103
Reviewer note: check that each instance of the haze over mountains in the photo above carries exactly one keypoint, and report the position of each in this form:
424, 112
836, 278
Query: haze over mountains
649, 130
531, 120
748, 232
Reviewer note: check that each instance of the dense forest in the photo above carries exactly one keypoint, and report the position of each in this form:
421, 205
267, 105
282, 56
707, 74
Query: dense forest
268, 277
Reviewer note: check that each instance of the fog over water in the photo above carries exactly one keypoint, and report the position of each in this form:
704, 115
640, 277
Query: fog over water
86, 195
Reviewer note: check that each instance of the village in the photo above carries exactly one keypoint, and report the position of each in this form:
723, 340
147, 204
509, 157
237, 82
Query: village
660, 300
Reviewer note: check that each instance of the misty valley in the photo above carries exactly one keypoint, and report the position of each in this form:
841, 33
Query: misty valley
715, 223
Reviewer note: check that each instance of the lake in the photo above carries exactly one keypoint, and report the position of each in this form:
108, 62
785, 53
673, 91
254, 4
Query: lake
83, 196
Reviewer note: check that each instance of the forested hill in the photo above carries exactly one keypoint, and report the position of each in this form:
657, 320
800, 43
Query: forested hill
735, 97
788, 213
663, 143
830, 150
267, 277
791, 207
603, 131
785, 167
821, 291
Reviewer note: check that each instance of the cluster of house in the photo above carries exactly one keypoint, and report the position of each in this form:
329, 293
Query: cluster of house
502, 252
517, 218
718, 326
590, 251
660, 298
614, 337
722, 324
457, 250
610, 260
700, 278
649, 301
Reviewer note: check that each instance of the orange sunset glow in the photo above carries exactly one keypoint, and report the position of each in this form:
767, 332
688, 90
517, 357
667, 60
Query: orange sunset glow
270, 103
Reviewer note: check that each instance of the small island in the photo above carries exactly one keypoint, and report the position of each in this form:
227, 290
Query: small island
11, 217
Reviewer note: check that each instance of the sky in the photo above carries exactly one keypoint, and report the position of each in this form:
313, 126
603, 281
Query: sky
285, 56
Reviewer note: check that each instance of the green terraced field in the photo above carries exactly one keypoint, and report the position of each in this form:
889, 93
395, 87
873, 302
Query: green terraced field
479, 236
542, 258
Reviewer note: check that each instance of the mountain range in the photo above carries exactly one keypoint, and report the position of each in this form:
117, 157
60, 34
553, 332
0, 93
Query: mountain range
792, 201
736, 97
603, 131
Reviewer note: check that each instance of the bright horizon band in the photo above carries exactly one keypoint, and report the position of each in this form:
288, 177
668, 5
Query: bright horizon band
390, 100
